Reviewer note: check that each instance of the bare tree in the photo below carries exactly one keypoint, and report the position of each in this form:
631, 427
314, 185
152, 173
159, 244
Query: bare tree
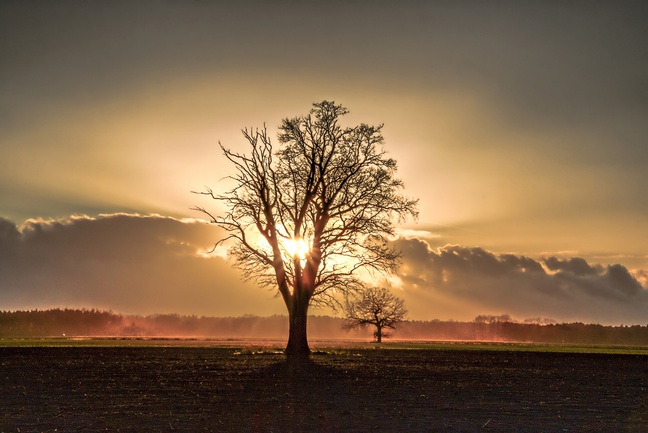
307, 216
377, 307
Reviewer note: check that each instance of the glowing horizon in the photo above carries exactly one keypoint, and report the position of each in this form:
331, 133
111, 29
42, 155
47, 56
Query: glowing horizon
521, 129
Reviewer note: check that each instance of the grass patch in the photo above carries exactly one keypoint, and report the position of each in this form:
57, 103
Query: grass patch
519, 347
254, 346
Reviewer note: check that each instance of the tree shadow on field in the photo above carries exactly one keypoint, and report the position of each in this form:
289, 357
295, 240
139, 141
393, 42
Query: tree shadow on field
304, 396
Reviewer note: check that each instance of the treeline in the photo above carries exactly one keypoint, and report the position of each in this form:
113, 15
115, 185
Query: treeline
92, 322
58, 322
577, 333
74, 322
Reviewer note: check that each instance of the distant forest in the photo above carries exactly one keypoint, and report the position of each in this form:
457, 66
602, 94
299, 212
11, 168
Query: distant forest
84, 322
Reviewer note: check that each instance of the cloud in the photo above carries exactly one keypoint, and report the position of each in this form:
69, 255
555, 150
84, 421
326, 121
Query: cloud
413, 234
127, 263
147, 264
613, 281
575, 265
465, 282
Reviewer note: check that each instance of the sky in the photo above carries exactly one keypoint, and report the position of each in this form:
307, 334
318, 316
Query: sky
520, 126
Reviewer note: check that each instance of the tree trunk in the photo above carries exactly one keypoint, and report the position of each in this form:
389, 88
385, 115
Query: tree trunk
378, 334
297, 348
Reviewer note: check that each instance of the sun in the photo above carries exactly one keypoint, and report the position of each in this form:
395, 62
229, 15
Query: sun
297, 247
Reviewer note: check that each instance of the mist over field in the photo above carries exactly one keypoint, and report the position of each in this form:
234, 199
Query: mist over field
69, 323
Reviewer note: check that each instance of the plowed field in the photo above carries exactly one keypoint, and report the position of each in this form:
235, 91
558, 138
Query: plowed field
187, 389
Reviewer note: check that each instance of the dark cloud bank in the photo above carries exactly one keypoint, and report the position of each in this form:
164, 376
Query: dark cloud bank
127, 263
153, 264
561, 288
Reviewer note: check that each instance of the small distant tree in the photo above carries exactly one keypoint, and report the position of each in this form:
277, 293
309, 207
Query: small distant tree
375, 306
486, 318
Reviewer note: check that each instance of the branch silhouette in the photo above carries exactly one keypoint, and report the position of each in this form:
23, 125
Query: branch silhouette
332, 187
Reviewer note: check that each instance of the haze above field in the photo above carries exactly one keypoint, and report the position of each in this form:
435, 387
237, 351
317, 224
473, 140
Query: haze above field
521, 128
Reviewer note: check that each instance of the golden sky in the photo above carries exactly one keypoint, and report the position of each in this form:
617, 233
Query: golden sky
521, 127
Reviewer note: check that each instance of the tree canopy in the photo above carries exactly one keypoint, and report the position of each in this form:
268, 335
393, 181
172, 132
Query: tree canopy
308, 215
378, 307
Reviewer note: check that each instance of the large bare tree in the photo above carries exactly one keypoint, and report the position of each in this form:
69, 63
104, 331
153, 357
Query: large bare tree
311, 214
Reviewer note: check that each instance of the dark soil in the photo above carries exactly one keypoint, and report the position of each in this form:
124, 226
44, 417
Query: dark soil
351, 390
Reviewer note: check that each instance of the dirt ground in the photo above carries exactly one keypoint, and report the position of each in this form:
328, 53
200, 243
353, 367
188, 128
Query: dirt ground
138, 389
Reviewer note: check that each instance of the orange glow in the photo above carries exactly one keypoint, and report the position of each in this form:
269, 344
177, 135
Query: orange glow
297, 247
